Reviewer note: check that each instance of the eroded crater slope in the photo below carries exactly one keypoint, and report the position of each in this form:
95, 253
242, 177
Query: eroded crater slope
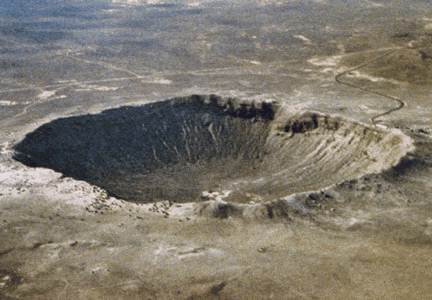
186, 148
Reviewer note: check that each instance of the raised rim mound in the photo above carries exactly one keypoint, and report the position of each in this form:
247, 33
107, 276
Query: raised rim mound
336, 149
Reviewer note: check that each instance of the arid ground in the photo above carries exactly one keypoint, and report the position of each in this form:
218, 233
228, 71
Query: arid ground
215, 149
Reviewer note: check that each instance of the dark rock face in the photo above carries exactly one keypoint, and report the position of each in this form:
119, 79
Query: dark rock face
177, 149
166, 150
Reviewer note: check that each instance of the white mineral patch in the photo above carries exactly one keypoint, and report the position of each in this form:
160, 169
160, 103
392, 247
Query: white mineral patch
194, 4
46, 94
159, 81
373, 4
302, 105
358, 74
327, 61
364, 107
255, 62
110, 11
126, 1
67, 81
154, 2
87, 88
216, 196
365, 76
7, 103
303, 38
328, 70
333, 70
381, 126
411, 44
5, 149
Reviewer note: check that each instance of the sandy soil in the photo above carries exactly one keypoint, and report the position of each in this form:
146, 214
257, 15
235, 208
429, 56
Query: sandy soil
353, 222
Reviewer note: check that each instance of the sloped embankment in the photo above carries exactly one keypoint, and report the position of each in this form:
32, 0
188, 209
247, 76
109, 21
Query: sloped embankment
206, 147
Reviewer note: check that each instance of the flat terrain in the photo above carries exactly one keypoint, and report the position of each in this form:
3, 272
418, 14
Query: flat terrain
366, 234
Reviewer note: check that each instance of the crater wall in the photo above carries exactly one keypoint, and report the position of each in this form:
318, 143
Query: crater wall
183, 149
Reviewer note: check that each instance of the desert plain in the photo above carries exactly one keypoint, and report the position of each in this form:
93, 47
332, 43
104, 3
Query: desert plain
215, 149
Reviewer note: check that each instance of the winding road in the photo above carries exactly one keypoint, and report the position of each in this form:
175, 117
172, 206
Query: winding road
400, 103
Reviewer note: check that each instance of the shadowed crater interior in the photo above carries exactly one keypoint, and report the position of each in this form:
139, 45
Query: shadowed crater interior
186, 148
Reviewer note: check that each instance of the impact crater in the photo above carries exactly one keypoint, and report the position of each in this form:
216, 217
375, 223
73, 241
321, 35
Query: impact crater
192, 148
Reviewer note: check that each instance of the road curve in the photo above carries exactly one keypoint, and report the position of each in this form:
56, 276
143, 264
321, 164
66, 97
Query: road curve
401, 103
